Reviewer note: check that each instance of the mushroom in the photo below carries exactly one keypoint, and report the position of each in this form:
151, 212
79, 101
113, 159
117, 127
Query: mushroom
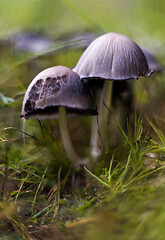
152, 61
109, 57
58, 91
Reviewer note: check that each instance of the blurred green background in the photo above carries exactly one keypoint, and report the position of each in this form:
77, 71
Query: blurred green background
141, 20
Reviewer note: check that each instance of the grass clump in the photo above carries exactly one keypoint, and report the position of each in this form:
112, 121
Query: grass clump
131, 191
121, 200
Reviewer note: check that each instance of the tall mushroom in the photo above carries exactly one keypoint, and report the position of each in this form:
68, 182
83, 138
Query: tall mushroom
58, 90
109, 57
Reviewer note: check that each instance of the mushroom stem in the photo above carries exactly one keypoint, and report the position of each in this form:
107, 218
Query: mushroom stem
73, 156
23, 131
94, 124
100, 122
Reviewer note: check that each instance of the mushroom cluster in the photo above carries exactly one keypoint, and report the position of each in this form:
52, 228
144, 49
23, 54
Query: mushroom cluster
58, 91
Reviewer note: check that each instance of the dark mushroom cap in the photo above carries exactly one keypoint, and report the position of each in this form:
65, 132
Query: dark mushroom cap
54, 87
152, 61
112, 56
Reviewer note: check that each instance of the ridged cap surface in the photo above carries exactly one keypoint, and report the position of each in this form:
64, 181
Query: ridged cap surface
112, 56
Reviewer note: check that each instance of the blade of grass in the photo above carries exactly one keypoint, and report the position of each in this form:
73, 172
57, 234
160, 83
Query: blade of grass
38, 188
97, 178
22, 183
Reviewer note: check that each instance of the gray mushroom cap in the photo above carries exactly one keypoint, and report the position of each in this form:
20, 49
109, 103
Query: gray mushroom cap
54, 87
112, 56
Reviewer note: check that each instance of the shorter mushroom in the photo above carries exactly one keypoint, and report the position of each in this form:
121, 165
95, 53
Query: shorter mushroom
57, 92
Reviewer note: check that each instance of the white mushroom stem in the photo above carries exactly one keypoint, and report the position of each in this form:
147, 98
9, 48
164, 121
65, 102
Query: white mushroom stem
98, 135
73, 156
94, 125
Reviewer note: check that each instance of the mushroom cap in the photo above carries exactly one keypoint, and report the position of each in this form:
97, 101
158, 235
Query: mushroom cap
153, 63
54, 87
112, 56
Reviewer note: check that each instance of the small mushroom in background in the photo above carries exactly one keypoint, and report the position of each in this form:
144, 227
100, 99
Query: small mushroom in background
123, 98
152, 61
109, 57
57, 92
